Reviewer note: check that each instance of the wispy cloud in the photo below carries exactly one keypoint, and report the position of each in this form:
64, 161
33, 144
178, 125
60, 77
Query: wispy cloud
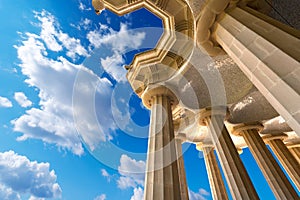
100, 197
55, 39
105, 174
119, 42
19, 175
202, 194
54, 78
84, 24
22, 99
138, 194
5, 102
132, 172
83, 7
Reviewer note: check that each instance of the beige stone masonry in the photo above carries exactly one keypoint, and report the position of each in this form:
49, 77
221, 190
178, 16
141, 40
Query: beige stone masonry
268, 56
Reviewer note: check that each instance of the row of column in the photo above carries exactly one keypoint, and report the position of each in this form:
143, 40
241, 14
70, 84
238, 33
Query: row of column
256, 44
272, 64
236, 176
165, 177
165, 172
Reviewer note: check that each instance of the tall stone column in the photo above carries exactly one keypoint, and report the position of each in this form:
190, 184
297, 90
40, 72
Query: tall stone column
181, 170
285, 157
216, 182
162, 176
261, 48
295, 150
235, 173
275, 177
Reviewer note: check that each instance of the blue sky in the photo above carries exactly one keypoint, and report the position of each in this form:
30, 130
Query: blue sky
56, 56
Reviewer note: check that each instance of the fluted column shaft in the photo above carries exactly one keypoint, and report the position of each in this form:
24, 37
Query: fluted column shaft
162, 177
181, 170
288, 161
295, 152
275, 177
216, 182
235, 173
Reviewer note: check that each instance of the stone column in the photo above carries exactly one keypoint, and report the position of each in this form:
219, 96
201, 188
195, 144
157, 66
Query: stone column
275, 177
295, 150
285, 157
181, 170
235, 173
261, 49
216, 182
162, 176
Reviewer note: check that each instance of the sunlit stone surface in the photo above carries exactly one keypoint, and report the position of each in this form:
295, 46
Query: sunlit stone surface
229, 54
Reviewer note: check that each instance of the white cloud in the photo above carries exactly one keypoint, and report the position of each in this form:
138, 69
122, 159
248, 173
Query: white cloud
35, 198
55, 39
132, 172
138, 194
83, 7
8, 193
22, 99
106, 174
119, 42
18, 176
101, 197
54, 77
84, 24
113, 65
202, 194
125, 182
53, 122
5, 102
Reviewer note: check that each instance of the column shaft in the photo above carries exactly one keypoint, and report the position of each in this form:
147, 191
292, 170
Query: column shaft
216, 183
260, 49
296, 153
287, 160
275, 177
235, 173
181, 171
162, 179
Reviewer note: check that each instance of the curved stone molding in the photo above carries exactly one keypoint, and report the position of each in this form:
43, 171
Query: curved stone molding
178, 24
160, 90
209, 15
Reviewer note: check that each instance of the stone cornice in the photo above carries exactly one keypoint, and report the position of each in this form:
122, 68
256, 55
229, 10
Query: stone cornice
176, 17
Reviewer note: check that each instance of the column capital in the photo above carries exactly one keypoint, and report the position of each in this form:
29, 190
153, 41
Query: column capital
270, 137
156, 90
238, 129
208, 112
292, 145
181, 137
201, 145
